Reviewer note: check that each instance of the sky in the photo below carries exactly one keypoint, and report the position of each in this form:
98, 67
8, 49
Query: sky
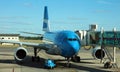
27, 15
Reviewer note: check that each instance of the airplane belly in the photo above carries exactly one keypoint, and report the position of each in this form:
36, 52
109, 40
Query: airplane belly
54, 51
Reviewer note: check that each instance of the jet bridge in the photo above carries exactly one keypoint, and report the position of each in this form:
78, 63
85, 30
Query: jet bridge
104, 39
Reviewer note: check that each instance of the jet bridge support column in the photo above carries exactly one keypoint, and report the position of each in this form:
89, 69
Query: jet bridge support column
114, 48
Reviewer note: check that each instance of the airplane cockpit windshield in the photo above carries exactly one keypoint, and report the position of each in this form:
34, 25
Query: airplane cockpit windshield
72, 39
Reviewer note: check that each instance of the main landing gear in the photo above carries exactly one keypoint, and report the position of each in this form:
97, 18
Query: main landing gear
68, 62
35, 57
75, 58
108, 65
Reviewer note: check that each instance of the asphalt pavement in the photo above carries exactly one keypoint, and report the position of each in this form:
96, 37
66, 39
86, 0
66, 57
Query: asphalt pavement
87, 63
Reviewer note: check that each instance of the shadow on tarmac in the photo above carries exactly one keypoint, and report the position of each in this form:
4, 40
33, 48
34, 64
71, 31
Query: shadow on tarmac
28, 63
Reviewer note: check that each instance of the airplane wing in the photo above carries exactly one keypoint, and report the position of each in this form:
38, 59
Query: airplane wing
44, 46
31, 33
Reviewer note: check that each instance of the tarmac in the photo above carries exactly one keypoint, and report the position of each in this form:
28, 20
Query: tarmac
87, 63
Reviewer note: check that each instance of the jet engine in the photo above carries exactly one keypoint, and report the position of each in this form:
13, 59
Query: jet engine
20, 54
98, 53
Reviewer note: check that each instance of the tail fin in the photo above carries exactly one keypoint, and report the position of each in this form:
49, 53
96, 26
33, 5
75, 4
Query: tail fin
46, 26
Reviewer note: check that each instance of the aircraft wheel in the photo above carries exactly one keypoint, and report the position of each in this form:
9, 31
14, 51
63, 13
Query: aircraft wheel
68, 65
107, 65
33, 59
78, 59
75, 58
38, 58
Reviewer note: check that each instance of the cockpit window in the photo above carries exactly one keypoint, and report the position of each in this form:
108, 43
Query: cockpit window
71, 39
74, 39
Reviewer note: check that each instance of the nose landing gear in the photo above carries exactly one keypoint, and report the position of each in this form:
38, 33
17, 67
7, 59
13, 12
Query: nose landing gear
68, 62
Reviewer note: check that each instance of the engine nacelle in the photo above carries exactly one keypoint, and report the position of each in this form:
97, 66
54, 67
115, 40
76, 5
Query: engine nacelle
98, 53
20, 54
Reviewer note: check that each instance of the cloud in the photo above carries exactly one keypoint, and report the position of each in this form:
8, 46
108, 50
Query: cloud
102, 11
104, 2
14, 17
13, 22
65, 22
77, 18
27, 4
5, 27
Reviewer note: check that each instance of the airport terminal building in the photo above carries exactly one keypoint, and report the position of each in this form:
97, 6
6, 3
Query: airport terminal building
13, 37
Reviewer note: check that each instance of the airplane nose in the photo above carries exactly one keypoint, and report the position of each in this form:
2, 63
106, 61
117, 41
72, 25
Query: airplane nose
70, 49
75, 47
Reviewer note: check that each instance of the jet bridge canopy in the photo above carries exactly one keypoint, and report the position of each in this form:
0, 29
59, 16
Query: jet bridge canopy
109, 38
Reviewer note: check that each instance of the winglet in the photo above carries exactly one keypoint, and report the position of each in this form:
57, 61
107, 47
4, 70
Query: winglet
46, 26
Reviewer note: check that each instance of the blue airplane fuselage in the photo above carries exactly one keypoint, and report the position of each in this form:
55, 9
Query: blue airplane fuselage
68, 42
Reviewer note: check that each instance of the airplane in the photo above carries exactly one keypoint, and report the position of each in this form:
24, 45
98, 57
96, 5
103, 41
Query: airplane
65, 43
